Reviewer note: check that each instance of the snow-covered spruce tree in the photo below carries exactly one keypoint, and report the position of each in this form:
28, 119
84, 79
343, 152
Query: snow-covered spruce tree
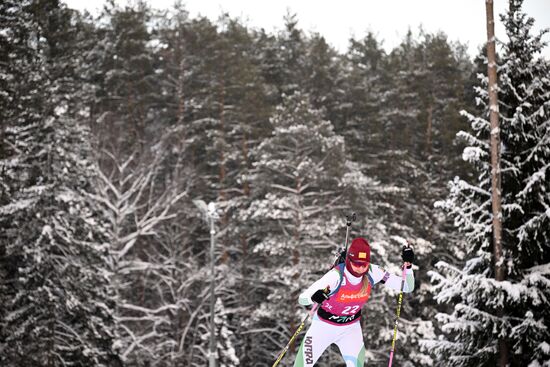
471, 331
57, 305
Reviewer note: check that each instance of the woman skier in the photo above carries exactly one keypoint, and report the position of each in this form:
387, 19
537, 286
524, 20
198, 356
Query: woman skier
341, 293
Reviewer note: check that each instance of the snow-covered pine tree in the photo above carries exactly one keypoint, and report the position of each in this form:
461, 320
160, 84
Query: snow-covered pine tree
366, 82
288, 66
125, 86
57, 307
323, 76
471, 331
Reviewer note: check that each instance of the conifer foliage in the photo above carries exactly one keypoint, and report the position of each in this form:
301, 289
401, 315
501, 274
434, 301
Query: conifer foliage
473, 328
57, 306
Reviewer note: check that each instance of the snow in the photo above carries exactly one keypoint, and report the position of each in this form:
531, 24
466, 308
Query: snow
473, 154
535, 178
60, 110
16, 206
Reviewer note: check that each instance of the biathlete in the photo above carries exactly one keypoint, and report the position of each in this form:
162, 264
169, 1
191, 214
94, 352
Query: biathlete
341, 293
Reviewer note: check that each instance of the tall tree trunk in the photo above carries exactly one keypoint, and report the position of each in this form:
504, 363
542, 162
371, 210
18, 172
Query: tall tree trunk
181, 92
222, 169
246, 194
429, 130
222, 195
495, 164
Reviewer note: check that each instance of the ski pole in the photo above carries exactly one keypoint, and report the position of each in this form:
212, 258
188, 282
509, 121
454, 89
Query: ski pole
348, 225
342, 251
287, 346
399, 302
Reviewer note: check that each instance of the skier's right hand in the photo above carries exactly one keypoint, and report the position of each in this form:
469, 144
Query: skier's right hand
320, 295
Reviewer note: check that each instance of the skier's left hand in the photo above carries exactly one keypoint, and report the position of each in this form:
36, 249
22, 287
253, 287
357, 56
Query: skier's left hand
407, 254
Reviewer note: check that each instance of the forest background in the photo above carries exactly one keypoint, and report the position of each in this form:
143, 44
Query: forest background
113, 124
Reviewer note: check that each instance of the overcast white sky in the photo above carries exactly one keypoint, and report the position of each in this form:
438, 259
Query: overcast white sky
461, 20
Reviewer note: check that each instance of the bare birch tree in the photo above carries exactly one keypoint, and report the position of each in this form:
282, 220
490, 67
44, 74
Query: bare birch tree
141, 197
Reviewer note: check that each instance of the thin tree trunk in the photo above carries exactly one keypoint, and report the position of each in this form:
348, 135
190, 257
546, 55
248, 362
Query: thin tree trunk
222, 169
495, 164
181, 94
136, 115
246, 194
429, 129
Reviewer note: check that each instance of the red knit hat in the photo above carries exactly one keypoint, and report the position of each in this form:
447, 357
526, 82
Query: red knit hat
358, 253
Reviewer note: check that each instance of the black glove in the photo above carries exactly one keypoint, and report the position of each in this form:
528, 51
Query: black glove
407, 254
320, 296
